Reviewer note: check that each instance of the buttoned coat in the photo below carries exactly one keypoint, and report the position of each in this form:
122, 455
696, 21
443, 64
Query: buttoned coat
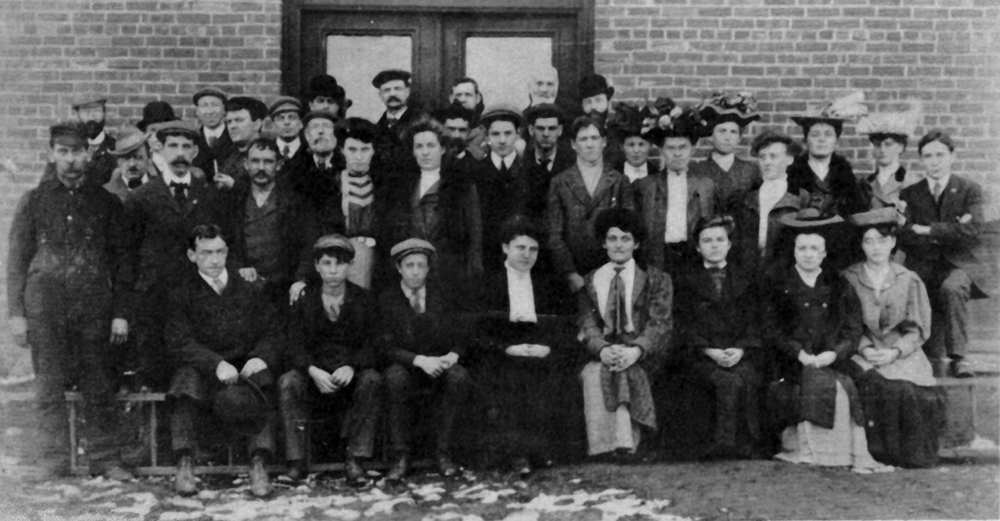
314, 340
731, 186
709, 321
651, 203
403, 333
570, 214
292, 230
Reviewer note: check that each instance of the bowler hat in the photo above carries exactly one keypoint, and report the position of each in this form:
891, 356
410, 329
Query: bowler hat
156, 112
594, 85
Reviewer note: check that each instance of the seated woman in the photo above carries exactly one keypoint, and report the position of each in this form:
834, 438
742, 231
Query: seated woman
905, 413
721, 340
524, 355
626, 323
813, 319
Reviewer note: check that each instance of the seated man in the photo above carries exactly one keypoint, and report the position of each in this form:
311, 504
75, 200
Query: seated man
422, 341
226, 337
331, 324
626, 325
944, 213
718, 325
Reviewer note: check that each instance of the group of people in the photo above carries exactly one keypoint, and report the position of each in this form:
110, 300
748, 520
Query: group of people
349, 266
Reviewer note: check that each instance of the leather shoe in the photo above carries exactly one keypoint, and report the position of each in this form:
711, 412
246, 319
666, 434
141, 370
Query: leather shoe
260, 485
522, 467
446, 467
355, 472
184, 482
399, 469
117, 473
297, 470
962, 369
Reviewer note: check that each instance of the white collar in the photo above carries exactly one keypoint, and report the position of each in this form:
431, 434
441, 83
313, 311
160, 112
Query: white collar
602, 287
170, 177
943, 182
214, 132
422, 291
397, 115
705, 263
223, 277
635, 172
97, 140
507, 160
887, 173
676, 175
321, 161
552, 158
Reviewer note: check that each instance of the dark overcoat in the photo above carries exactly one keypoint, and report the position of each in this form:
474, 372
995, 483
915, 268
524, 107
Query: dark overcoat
314, 340
732, 185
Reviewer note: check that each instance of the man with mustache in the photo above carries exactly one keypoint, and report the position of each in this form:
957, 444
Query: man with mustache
214, 143
91, 112
160, 214
465, 92
286, 113
244, 121
543, 87
67, 283
132, 154
394, 89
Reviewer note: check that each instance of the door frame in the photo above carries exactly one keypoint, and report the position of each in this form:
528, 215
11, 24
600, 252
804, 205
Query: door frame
292, 12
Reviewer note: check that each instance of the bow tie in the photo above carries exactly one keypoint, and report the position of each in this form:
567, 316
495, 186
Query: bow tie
716, 271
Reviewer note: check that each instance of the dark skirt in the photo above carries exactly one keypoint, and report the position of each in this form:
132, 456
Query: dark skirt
904, 420
736, 415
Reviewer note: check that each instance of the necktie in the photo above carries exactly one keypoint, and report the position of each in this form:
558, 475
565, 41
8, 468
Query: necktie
219, 285
616, 318
415, 303
287, 152
938, 190
503, 167
718, 279
212, 140
180, 192
392, 122
544, 162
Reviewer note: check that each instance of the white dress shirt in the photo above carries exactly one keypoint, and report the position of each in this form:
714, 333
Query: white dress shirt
677, 201
602, 286
293, 146
422, 294
170, 177
522, 295
591, 175
508, 160
770, 193
634, 173
216, 132
428, 178
223, 278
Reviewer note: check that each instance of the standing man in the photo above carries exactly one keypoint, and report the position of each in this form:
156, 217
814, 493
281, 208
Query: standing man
286, 113
214, 142
595, 96
944, 213
503, 185
457, 120
465, 92
394, 89
67, 281
160, 214
132, 154
91, 112
244, 121
547, 154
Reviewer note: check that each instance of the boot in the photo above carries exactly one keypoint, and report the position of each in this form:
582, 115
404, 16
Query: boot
260, 486
355, 473
399, 469
297, 470
184, 482
446, 467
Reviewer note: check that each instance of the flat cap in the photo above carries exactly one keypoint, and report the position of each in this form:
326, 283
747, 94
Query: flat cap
209, 91
501, 112
389, 75
68, 133
313, 114
129, 139
172, 128
285, 104
411, 246
333, 241
543, 111
88, 99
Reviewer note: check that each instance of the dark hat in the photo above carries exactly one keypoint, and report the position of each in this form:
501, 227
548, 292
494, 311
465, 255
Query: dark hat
834, 113
324, 85
409, 247
333, 241
809, 219
156, 112
356, 128
684, 123
129, 139
69, 133
738, 108
500, 112
887, 215
175, 127
256, 107
285, 104
630, 121
544, 111
313, 114
593, 85
208, 91
453, 111
244, 406
389, 75
89, 99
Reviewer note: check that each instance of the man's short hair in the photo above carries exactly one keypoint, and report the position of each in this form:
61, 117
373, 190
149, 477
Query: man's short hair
453, 111
726, 222
621, 218
936, 135
204, 232
466, 79
262, 143
583, 122
520, 226
767, 139
343, 255
256, 107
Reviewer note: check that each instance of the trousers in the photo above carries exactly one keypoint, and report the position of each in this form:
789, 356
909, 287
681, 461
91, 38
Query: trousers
449, 391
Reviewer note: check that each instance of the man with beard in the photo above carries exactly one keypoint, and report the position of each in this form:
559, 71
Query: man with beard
214, 143
543, 87
286, 113
268, 230
244, 120
324, 94
160, 214
67, 284
457, 120
91, 112
394, 89
132, 154
465, 92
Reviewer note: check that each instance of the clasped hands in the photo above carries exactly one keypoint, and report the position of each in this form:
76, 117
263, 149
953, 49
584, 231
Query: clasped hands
227, 373
528, 350
818, 361
619, 358
331, 382
880, 357
435, 366
725, 357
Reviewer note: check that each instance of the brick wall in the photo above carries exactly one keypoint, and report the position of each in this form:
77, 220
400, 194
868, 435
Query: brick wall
794, 52
134, 52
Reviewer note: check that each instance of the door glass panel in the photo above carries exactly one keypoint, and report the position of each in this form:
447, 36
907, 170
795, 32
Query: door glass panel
355, 60
503, 66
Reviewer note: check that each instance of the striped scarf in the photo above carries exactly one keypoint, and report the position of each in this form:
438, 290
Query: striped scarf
357, 189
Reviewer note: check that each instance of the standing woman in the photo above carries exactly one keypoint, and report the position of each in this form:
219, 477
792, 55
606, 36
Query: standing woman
889, 133
728, 117
813, 319
904, 410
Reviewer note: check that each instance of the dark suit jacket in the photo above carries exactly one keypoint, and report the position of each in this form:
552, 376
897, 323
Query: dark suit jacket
746, 213
720, 322
570, 214
207, 155
204, 328
651, 204
295, 247
403, 334
954, 220
501, 196
732, 185
159, 228
313, 340
541, 177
